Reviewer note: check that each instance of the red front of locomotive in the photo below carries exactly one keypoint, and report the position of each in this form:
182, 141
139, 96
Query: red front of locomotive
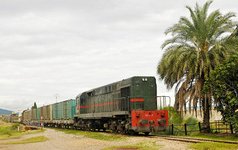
149, 121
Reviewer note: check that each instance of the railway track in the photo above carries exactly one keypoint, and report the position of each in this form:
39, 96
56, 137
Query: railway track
175, 138
195, 140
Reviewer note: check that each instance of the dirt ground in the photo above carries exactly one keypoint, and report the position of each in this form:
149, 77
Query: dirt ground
61, 141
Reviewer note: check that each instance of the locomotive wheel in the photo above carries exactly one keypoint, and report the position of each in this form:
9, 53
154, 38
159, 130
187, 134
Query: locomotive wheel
123, 132
131, 132
114, 130
146, 133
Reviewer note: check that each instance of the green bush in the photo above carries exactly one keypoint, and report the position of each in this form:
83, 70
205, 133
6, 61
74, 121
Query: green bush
15, 126
192, 124
178, 122
174, 116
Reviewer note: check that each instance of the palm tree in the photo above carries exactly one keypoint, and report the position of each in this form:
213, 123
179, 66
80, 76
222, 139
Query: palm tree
198, 44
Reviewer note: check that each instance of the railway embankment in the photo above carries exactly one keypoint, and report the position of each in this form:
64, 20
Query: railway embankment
57, 140
63, 139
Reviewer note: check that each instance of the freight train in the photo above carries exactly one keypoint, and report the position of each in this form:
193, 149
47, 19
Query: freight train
127, 106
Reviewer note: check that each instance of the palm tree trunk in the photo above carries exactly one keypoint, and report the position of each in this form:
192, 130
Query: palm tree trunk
206, 116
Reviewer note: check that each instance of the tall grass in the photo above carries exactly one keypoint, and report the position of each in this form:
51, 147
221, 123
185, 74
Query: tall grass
9, 130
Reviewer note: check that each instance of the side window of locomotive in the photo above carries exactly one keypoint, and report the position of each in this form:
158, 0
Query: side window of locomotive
124, 100
82, 101
125, 92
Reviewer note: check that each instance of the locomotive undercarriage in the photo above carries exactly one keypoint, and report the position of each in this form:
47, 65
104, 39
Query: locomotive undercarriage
118, 124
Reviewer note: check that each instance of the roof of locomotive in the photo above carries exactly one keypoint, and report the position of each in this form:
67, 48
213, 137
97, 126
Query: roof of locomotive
123, 80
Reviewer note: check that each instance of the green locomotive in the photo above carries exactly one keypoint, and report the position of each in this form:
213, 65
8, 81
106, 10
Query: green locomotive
112, 107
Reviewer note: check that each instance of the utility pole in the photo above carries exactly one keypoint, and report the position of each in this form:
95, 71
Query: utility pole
56, 97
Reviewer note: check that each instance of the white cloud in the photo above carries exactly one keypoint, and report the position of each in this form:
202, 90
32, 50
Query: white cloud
66, 47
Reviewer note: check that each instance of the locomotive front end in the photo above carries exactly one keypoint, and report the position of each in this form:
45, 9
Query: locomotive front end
149, 121
143, 103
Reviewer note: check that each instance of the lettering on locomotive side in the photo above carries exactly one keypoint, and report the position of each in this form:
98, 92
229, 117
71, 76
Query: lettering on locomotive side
149, 115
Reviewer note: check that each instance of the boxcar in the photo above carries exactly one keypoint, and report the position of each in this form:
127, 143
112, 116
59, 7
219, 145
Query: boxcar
26, 117
57, 110
69, 109
47, 113
34, 114
64, 112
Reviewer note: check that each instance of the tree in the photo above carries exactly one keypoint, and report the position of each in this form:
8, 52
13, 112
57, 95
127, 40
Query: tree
223, 83
34, 106
198, 44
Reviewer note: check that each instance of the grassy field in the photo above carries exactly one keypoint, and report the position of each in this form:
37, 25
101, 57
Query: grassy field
95, 135
10, 130
29, 140
213, 146
226, 137
139, 146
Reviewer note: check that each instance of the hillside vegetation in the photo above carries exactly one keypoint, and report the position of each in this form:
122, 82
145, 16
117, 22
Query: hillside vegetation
5, 112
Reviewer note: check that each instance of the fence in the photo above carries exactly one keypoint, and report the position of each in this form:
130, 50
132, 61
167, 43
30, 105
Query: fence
187, 129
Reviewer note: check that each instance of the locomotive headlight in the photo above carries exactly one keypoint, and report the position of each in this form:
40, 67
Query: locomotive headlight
162, 115
144, 79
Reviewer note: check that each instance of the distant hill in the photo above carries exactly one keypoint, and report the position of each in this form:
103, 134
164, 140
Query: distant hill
5, 112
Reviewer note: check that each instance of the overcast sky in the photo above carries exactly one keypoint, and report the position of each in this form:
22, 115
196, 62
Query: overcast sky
64, 47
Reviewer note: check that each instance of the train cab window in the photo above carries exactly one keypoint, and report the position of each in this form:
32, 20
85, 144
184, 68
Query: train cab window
114, 87
105, 89
124, 101
125, 92
92, 93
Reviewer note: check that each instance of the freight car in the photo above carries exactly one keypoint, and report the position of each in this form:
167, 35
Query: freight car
26, 117
59, 114
127, 106
63, 113
46, 114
